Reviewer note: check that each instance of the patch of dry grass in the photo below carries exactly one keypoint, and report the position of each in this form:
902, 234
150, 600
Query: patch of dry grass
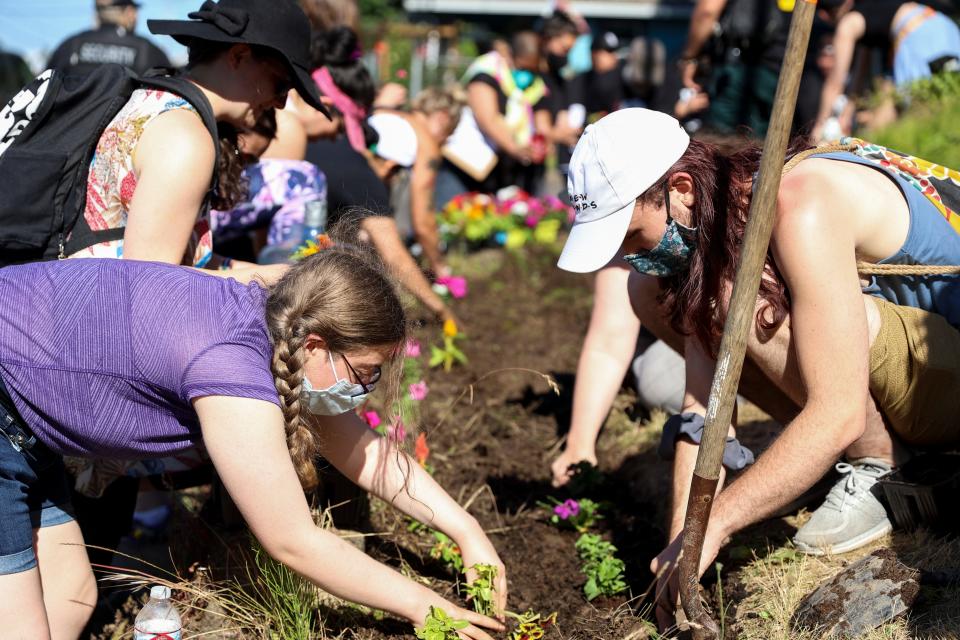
776, 583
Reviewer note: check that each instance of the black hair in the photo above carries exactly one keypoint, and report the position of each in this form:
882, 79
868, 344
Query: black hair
338, 50
557, 25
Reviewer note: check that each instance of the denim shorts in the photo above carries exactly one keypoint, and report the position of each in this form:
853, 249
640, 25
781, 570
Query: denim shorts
34, 491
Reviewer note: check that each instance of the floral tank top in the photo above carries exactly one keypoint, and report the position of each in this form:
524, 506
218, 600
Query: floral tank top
112, 178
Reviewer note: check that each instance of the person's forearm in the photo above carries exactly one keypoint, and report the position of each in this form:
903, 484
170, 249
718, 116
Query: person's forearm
344, 571
383, 232
702, 22
832, 88
684, 461
795, 461
599, 375
494, 126
266, 274
375, 464
424, 223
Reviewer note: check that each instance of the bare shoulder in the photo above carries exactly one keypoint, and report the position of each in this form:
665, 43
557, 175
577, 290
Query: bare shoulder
178, 135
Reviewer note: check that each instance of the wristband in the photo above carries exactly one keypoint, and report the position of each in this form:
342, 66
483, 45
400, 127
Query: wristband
225, 264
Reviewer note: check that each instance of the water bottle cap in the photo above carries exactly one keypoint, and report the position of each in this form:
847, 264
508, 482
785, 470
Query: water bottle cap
159, 592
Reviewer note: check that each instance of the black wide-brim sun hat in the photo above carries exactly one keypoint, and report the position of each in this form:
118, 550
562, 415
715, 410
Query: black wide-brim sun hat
279, 25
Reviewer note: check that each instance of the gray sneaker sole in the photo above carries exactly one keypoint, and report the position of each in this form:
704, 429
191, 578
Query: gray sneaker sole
865, 538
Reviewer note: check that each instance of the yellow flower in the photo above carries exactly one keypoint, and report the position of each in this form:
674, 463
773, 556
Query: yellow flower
450, 328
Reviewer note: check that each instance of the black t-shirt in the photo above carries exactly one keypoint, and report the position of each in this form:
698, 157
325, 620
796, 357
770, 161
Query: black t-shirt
603, 92
878, 18
14, 75
490, 81
351, 183
109, 44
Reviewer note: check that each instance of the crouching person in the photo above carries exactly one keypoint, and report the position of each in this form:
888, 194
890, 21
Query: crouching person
125, 359
873, 363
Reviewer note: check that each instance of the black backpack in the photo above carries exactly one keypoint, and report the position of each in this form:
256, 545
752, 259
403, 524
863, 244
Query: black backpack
48, 134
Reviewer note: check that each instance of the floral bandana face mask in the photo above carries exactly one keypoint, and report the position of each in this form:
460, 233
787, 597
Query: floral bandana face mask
671, 255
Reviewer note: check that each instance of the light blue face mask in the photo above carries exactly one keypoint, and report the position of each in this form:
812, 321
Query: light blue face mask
522, 78
341, 397
671, 255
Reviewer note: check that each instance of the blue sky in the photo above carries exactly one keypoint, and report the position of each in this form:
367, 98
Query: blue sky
32, 27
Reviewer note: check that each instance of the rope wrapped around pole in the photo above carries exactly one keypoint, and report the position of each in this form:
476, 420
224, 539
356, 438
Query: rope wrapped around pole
739, 320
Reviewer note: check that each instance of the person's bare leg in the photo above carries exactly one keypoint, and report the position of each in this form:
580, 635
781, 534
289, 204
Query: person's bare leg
69, 588
21, 606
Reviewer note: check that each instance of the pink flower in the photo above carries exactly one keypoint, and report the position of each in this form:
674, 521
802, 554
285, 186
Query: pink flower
418, 390
397, 432
573, 506
532, 220
372, 418
412, 349
456, 285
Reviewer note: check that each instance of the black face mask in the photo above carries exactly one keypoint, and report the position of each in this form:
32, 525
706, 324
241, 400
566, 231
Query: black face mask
556, 62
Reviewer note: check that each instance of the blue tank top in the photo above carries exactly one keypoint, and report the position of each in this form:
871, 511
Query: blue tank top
930, 241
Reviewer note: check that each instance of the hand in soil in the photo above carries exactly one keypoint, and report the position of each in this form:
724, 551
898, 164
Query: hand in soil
477, 623
667, 587
562, 467
481, 552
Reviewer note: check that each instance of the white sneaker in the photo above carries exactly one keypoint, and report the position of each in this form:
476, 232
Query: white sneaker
851, 516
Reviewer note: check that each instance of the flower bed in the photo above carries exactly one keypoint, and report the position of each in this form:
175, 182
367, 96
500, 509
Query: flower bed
512, 219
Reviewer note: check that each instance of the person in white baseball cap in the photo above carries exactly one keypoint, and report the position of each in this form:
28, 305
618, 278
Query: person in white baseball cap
614, 163
853, 356
397, 146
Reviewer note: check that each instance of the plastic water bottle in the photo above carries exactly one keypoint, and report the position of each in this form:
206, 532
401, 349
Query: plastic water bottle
314, 222
314, 219
159, 619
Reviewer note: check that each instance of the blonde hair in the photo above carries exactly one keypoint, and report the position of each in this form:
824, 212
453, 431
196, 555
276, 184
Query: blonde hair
433, 99
327, 14
342, 295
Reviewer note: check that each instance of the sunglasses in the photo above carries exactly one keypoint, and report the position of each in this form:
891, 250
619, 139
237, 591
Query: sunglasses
367, 385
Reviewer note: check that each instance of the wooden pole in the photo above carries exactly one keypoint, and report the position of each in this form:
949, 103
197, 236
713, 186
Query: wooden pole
740, 320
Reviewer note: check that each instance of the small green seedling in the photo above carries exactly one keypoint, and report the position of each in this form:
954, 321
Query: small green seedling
481, 591
447, 551
531, 625
439, 626
603, 569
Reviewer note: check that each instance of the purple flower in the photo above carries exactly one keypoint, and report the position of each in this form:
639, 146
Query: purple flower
418, 390
572, 506
562, 511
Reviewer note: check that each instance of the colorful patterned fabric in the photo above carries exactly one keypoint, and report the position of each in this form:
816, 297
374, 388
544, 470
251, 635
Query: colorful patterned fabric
278, 193
940, 185
113, 179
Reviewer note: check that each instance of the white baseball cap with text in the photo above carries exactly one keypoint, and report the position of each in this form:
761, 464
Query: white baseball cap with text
616, 159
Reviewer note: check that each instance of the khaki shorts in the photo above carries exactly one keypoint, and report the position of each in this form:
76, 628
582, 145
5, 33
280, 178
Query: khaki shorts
915, 375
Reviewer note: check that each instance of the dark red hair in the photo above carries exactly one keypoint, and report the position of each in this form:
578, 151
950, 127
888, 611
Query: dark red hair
722, 187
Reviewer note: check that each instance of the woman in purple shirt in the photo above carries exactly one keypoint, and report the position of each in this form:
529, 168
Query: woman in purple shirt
125, 359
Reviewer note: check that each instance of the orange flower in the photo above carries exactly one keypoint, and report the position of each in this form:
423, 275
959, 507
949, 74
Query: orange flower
450, 328
421, 450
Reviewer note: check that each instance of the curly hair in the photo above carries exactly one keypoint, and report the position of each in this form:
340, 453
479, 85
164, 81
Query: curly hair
342, 295
723, 183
